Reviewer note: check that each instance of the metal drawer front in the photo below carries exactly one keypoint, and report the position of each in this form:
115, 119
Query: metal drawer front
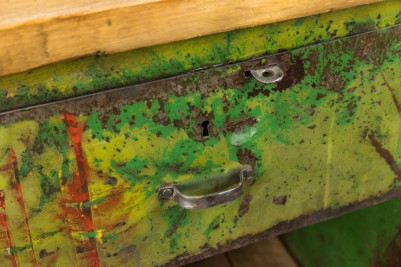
79, 178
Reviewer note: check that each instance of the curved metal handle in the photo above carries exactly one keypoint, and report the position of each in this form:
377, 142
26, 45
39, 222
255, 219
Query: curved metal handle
207, 200
269, 74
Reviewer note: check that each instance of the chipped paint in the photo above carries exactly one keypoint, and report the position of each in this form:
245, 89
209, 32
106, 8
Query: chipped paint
102, 72
93, 165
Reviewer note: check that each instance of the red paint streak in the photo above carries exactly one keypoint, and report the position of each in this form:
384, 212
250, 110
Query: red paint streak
2, 200
20, 199
4, 223
17, 186
78, 188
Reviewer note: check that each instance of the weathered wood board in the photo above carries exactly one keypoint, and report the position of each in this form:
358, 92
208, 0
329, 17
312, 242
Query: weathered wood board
36, 33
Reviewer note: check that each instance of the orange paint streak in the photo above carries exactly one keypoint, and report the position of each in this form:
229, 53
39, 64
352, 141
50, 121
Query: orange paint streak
2, 200
4, 223
78, 188
20, 199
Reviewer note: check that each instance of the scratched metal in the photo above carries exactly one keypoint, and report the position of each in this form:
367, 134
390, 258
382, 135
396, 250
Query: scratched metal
79, 178
101, 72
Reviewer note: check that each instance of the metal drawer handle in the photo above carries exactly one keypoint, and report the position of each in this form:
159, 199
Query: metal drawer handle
269, 74
208, 200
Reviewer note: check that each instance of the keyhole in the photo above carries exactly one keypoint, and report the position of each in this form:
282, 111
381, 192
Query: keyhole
205, 132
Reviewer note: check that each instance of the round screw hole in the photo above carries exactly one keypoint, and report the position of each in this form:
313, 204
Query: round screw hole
205, 132
247, 73
267, 74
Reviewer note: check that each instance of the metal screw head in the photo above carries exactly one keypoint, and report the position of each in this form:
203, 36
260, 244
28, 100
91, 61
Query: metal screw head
165, 193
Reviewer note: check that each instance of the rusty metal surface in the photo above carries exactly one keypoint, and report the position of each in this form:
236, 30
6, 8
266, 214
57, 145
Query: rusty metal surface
101, 72
306, 237
79, 178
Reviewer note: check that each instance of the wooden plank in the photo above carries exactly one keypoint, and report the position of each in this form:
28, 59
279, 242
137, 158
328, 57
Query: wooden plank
35, 33
215, 261
267, 253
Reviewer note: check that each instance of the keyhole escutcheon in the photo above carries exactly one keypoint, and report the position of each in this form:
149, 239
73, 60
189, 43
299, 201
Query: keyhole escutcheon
205, 132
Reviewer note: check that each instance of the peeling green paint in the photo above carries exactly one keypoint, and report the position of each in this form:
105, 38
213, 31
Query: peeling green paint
327, 136
101, 72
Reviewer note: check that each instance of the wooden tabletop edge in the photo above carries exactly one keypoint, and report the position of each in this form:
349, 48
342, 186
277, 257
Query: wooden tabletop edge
134, 24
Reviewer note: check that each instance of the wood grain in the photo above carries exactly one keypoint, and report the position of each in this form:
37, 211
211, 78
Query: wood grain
215, 261
36, 33
267, 253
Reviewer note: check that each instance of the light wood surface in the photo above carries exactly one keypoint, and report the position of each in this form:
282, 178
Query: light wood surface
266, 253
35, 33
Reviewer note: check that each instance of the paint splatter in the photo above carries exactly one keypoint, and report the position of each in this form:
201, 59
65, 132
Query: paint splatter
20, 199
78, 190
6, 228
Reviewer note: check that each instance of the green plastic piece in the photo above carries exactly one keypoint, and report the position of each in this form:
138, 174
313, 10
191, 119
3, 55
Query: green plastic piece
369, 237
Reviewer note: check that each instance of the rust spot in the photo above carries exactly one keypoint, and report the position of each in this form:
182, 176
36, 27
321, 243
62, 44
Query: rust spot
110, 180
43, 253
161, 118
313, 60
231, 126
174, 167
121, 164
83, 249
294, 74
392, 91
227, 104
120, 224
48, 188
244, 207
246, 157
319, 96
281, 200
176, 224
332, 81
387, 156
354, 27
2, 200
127, 251
194, 170
391, 257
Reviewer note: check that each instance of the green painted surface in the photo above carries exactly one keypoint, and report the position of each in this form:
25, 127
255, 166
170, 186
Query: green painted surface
78, 180
102, 72
369, 237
